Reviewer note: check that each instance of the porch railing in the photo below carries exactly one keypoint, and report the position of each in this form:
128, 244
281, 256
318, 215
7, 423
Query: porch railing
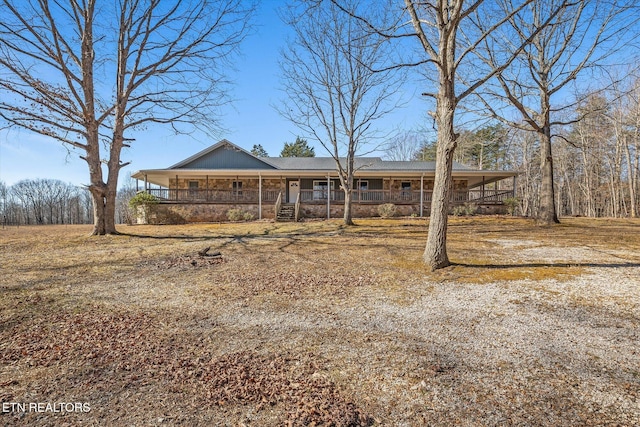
478, 196
213, 196
406, 196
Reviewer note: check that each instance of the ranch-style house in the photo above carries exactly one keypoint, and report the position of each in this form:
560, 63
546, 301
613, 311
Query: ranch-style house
205, 186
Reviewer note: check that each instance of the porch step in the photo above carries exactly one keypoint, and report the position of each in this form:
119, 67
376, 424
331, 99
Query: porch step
287, 213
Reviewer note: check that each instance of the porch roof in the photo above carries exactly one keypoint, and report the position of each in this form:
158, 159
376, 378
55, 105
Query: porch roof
225, 159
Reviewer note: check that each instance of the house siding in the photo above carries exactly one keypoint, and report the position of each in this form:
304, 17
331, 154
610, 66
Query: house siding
226, 158
227, 183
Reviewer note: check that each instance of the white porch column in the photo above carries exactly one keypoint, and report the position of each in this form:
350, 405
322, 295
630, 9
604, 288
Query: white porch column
259, 196
328, 196
421, 194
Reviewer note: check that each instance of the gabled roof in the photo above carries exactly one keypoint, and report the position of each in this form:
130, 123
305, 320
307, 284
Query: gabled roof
360, 163
226, 155
224, 158
318, 163
223, 155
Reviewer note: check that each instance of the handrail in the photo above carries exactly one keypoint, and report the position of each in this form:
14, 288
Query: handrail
398, 196
297, 208
278, 204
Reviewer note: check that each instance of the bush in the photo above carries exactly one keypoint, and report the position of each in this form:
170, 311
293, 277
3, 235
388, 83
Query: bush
458, 210
142, 199
142, 205
468, 209
388, 210
238, 214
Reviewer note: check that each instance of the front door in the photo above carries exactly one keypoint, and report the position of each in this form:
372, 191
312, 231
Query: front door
294, 190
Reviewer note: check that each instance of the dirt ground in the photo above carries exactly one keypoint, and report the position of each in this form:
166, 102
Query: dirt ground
319, 324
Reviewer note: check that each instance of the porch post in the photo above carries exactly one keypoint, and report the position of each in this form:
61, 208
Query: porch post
206, 194
145, 183
483, 189
259, 196
137, 185
328, 196
177, 186
513, 191
421, 194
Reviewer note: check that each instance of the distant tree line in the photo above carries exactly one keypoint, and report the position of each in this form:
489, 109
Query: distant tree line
596, 156
51, 201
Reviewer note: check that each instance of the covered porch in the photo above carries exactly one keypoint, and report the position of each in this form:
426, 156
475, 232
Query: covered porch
318, 189
479, 196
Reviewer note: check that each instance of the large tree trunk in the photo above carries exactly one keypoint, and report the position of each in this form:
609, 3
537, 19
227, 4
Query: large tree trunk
99, 215
346, 181
435, 253
348, 216
547, 213
103, 195
104, 207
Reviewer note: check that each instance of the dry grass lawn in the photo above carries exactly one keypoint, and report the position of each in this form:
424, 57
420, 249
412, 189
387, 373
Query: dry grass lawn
318, 324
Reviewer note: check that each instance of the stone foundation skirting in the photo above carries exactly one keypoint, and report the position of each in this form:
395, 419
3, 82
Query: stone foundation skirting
179, 213
182, 213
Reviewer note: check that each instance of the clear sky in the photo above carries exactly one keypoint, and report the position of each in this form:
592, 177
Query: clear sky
250, 120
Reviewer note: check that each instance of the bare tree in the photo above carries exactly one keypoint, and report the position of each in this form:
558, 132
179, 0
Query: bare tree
578, 39
334, 92
625, 118
448, 33
4, 203
404, 146
89, 73
32, 194
44, 201
124, 213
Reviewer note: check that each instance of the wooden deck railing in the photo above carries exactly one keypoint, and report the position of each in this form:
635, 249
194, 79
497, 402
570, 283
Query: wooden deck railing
478, 196
213, 196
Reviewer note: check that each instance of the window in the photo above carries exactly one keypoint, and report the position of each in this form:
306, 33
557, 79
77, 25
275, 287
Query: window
405, 188
320, 189
237, 188
364, 185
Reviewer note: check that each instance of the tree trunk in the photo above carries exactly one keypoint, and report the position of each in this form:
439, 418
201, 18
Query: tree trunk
630, 178
99, 215
435, 253
547, 213
348, 217
104, 203
103, 196
346, 181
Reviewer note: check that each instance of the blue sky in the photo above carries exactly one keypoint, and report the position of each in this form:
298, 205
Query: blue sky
250, 120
